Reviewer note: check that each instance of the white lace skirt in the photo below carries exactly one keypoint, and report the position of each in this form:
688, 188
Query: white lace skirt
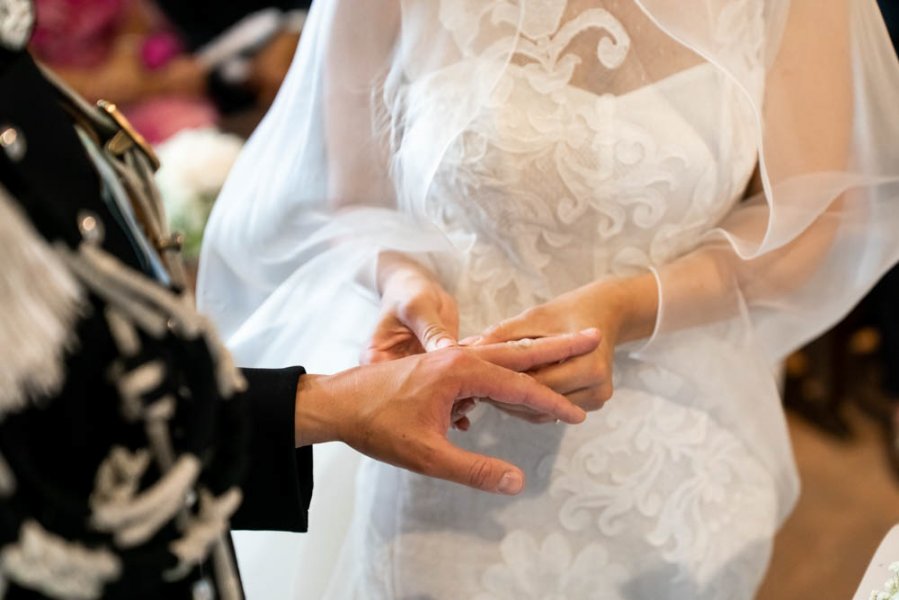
647, 500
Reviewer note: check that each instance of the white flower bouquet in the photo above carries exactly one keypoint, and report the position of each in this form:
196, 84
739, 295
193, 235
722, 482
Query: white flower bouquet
890, 589
195, 164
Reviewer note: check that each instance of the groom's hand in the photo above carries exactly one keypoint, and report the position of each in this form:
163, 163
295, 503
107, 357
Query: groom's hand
399, 412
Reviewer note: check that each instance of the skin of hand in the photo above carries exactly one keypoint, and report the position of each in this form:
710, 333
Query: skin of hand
417, 314
622, 310
399, 411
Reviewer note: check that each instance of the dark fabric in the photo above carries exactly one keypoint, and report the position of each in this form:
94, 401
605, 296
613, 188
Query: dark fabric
890, 10
886, 294
56, 448
272, 495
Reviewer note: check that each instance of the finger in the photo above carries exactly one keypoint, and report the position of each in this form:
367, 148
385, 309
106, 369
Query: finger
524, 414
523, 355
574, 374
462, 424
593, 398
484, 379
513, 409
521, 326
462, 408
473, 470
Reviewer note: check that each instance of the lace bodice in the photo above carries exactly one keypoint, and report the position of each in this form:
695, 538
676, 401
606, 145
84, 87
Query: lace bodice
552, 185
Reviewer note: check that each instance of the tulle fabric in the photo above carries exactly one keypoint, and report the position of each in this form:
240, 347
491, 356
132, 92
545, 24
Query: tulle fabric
343, 165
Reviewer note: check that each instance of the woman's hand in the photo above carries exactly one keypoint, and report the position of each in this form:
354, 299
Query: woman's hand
619, 309
417, 314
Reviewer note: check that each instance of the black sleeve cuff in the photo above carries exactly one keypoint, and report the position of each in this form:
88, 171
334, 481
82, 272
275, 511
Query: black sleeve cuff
278, 486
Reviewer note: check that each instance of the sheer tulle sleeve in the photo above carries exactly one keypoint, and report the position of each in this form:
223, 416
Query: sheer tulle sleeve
797, 255
311, 200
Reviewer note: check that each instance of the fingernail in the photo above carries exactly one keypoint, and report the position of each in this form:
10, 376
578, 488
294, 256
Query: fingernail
444, 343
592, 332
511, 483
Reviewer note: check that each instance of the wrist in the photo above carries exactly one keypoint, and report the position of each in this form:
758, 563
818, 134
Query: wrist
393, 267
315, 410
634, 303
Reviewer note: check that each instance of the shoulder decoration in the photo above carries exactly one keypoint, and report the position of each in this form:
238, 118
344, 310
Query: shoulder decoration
40, 302
17, 20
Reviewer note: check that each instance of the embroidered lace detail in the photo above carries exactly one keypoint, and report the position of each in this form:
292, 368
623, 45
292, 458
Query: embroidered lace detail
547, 164
550, 568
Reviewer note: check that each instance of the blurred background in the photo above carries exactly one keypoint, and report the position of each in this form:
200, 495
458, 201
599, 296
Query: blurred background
196, 76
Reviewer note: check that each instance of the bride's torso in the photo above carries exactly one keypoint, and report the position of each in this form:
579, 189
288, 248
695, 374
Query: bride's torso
586, 158
550, 163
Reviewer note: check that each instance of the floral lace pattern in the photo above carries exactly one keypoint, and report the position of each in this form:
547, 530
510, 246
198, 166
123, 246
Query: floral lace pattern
546, 166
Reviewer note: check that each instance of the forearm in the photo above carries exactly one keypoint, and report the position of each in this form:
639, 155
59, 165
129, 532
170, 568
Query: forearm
713, 282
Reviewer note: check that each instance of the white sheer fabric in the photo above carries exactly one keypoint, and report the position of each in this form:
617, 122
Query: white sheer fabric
523, 148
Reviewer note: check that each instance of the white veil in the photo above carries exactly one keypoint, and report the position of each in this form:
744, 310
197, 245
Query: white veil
343, 165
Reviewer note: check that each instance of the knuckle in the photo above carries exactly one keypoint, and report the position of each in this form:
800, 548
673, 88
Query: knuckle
431, 331
524, 379
597, 398
605, 393
593, 404
457, 358
422, 460
480, 473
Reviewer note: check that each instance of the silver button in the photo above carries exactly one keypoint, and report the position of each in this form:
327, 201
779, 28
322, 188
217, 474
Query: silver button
12, 140
91, 227
203, 590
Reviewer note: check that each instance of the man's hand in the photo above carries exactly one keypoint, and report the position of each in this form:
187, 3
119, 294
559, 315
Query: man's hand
399, 412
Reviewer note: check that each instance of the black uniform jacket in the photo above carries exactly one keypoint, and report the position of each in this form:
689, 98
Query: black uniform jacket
67, 436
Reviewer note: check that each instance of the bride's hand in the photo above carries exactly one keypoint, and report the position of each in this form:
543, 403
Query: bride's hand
586, 380
417, 314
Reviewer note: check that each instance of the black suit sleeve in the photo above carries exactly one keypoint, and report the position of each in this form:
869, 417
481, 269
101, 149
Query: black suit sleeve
278, 486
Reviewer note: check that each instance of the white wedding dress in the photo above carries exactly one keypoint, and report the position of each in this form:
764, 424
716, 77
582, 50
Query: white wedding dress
647, 499
676, 487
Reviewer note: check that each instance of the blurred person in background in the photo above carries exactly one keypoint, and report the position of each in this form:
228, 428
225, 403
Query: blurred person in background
153, 58
254, 41
126, 52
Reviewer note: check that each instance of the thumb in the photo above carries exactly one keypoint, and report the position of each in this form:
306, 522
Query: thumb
477, 471
431, 330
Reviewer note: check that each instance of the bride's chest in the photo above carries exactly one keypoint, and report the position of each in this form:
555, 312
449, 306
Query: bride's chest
550, 159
